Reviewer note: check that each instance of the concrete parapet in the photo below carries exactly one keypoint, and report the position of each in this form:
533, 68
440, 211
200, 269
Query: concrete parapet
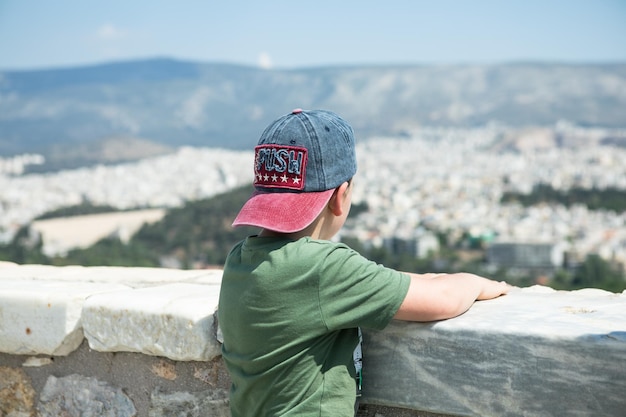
142, 342
534, 352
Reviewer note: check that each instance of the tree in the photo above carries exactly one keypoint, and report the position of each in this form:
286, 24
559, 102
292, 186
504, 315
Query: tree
595, 272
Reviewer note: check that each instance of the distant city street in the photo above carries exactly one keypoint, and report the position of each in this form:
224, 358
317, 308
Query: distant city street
449, 180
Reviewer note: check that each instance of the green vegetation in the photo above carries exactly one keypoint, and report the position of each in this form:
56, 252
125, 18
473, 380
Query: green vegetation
23, 250
200, 234
595, 199
78, 210
111, 252
595, 272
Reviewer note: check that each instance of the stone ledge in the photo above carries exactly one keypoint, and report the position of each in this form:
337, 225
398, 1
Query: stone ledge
162, 312
174, 320
535, 351
44, 316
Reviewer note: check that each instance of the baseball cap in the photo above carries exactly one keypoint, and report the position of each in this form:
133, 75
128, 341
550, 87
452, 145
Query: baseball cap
299, 160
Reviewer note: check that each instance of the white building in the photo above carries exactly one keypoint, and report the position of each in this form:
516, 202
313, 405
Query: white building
510, 254
420, 245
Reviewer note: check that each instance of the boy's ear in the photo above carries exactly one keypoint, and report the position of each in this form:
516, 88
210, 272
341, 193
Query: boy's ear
336, 201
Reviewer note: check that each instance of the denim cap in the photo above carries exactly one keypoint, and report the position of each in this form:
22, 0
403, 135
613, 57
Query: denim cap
299, 161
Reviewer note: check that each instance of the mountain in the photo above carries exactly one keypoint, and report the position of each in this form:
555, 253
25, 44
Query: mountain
108, 150
172, 103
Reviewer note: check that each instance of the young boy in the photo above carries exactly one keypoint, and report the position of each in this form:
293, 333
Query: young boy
291, 301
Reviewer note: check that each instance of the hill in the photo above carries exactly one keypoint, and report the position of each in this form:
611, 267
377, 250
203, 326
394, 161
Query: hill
172, 103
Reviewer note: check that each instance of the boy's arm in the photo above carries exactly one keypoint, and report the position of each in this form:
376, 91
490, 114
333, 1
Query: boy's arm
443, 296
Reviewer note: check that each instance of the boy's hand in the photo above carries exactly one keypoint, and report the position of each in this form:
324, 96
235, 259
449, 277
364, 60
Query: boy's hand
493, 289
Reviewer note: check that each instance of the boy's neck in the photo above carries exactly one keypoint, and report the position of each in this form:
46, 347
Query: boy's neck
291, 236
315, 231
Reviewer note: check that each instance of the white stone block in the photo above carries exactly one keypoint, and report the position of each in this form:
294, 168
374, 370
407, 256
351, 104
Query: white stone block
43, 317
148, 277
535, 351
132, 277
175, 321
12, 272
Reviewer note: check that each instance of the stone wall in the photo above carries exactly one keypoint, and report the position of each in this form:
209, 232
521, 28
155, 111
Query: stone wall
106, 341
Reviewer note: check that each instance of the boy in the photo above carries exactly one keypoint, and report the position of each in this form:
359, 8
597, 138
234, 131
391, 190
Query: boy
291, 301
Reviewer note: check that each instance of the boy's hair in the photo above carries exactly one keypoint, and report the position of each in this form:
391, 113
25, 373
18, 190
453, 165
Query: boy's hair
300, 159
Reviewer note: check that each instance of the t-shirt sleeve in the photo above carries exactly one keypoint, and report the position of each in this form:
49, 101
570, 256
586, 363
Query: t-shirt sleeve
354, 291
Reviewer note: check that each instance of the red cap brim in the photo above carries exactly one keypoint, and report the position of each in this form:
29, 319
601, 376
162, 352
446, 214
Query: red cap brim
282, 212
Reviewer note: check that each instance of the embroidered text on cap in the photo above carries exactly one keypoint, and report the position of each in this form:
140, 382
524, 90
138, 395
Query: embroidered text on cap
279, 166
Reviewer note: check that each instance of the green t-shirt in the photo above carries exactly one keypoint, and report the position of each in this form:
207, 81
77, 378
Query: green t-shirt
289, 312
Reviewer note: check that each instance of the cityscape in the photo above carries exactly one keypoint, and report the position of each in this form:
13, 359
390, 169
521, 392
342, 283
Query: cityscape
452, 180
432, 179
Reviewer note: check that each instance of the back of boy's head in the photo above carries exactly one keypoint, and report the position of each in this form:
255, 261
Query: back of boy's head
300, 159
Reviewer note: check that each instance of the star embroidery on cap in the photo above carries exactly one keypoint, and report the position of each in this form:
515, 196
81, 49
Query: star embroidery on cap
296, 180
259, 176
266, 177
284, 178
274, 178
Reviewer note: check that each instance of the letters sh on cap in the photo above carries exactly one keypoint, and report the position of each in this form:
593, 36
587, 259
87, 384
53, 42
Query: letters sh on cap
280, 166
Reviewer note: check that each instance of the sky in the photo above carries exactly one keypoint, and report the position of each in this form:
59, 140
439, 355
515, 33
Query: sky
38, 34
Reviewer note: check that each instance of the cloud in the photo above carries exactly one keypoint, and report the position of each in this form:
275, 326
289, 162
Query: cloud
265, 61
109, 32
